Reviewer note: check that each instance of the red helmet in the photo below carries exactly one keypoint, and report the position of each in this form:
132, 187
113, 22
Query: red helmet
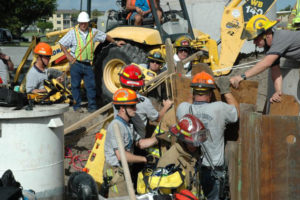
132, 76
190, 129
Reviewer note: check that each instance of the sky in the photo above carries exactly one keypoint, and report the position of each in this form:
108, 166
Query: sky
111, 4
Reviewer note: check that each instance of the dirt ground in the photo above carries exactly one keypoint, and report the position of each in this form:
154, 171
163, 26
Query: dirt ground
79, 142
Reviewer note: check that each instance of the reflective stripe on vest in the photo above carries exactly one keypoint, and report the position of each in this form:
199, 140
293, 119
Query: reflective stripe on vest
87, 54
153, 151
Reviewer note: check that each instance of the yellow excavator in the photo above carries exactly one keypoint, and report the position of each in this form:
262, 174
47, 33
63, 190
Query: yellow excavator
140, 40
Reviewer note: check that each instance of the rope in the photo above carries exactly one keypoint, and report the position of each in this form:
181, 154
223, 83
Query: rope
77, 162
240, 66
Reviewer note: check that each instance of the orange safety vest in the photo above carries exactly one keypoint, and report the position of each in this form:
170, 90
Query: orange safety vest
133, 3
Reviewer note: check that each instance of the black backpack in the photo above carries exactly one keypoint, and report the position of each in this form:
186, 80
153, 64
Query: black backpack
10, 189
10, 98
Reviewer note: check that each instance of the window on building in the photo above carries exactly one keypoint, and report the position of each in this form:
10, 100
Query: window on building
58, 15
58, 22
66, 16
66, 22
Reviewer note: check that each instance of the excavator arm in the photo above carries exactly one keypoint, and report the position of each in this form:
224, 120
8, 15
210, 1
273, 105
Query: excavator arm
234, 17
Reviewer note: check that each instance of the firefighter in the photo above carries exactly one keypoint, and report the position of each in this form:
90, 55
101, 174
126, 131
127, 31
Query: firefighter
277, 43
190, 132
183, 50
214, 116
132, 77
39, 72
80, 59
125, 101
156, 61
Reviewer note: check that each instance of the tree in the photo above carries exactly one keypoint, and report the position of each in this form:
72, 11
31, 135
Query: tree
288, 8
15, 14
44, 25
96, 13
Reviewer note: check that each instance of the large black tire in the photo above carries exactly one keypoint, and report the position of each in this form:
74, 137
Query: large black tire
109, 62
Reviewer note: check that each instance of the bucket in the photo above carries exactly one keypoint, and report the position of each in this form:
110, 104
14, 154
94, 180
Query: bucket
31, 145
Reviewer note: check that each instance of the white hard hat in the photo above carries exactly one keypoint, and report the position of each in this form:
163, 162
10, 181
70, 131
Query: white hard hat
83, 17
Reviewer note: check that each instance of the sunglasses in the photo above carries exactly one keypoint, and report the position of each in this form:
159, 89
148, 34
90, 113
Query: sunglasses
154, 61
183, 49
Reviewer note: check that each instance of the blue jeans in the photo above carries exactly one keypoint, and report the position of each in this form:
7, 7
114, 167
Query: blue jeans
78, 72
210, 185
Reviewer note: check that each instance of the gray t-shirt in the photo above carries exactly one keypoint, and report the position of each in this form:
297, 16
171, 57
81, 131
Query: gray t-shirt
144, 111
214, 116
4, 74
129, 138
35, 77
286, 44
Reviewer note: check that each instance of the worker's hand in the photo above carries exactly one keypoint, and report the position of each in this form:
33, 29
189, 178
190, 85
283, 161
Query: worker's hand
4, 57
139, 11
152, 160
276, 97
71, 59
120, 43
223, 85
235, 81
60, 78
167, 103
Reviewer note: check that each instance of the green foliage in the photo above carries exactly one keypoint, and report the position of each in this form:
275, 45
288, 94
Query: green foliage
288, 8
15, 14
44, 25
96, 13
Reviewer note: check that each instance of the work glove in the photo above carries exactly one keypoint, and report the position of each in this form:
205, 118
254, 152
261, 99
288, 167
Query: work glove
223, 84
152, 160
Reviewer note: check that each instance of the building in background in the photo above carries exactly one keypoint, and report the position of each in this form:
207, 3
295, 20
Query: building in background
64, 19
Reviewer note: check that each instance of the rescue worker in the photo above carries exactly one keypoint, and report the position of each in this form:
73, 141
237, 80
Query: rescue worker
155, 61
277, 43
183, 50
39, 71
125, 101
141, 9
80, 59
214, 116
185, 153
6, 65
132, 77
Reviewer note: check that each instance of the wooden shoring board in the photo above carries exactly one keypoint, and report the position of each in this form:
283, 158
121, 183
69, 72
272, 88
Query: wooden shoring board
246, 93
287, 107
233, 158
270, 157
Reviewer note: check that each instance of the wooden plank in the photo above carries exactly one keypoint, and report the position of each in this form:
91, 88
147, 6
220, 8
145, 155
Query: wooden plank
270, 157
287, 107
280, 161
246, 93
181, 89
250, 138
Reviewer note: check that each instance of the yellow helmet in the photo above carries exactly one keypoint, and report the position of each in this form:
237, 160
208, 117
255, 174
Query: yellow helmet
257, 25
156, 55
183, 41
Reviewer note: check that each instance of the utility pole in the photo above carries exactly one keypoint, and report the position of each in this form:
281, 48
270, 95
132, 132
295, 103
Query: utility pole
89, 3
80, 5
